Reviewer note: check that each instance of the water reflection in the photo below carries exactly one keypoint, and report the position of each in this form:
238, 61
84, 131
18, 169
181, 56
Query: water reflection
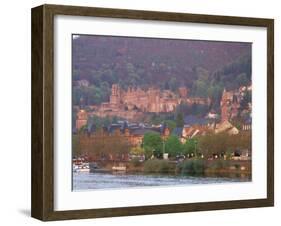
86, 181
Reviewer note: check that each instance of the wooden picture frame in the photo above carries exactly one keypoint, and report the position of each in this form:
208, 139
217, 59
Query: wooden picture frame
42, 203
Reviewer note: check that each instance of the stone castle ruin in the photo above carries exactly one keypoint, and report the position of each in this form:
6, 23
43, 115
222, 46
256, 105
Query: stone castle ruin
131, 104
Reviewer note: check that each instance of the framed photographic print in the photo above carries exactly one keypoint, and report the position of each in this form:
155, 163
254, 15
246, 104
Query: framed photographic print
141, 112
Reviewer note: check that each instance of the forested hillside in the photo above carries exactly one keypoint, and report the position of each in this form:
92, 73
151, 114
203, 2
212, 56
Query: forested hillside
205, 67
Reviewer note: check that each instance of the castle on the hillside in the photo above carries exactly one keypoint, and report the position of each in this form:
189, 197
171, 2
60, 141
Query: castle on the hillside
230, 104
134, 102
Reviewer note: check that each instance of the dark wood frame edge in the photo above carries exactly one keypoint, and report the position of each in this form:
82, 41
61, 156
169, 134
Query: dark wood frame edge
42, 197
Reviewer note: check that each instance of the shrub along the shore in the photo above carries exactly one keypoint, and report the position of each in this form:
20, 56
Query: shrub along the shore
188, 167
219, 165
158, 166
192, 167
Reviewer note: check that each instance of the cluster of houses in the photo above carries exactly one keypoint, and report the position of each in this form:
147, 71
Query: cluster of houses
194, 126
132, 132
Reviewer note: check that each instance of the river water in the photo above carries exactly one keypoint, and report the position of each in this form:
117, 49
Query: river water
87, 181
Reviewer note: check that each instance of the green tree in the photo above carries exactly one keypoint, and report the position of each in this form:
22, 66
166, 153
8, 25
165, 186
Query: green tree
106, 121
223, 143
152, 142
171, 124
173, 146
234, 74
242, 79
76, 95
200, 86
213, 144
179, 120
202, 74
215, 92
173, 83
148, 152
137, 151
189, 147
246, 99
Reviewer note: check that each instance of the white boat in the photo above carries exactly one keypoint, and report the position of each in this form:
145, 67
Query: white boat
119, 168
83, 170
84, 167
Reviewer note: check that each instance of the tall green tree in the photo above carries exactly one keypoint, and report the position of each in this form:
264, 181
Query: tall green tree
173, 146
173, 83
171, 124
200, 86
152, 142
189, 147
179, 119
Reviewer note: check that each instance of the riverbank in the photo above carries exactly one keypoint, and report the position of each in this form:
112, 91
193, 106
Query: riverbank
192, 167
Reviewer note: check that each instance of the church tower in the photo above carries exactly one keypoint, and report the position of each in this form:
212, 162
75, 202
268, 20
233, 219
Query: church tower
225, 106
115, 96
81, 120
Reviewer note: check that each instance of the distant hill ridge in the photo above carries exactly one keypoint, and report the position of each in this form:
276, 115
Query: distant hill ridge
163, 63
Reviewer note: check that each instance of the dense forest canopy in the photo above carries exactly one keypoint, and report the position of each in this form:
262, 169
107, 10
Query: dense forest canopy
205, 67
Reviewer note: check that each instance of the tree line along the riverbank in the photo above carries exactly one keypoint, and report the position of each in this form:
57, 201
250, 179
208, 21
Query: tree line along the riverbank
153, 145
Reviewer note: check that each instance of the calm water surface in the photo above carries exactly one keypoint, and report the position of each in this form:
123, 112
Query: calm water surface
85, 181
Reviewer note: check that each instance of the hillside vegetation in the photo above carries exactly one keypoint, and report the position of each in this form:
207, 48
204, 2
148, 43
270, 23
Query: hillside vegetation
206, 68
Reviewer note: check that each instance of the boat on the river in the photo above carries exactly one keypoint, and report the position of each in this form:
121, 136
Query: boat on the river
95, 168
120, 167
80, 165
83, 167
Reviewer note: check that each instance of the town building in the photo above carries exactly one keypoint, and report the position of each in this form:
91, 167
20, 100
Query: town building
194, 131
227, 127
